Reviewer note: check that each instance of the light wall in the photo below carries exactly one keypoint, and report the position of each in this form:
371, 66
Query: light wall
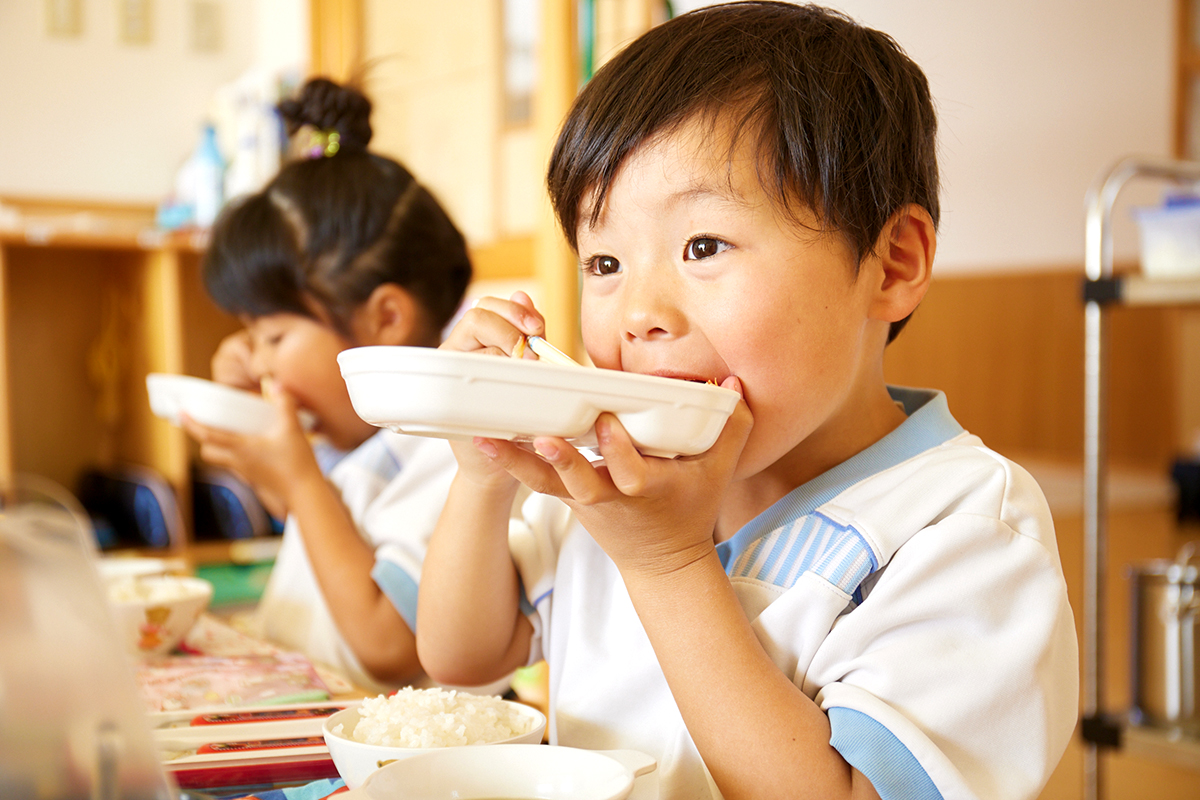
1035, 99
91, 118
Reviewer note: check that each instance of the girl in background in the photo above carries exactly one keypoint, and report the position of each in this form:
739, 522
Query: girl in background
343, 248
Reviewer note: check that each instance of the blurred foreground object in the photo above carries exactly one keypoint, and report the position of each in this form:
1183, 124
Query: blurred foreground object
71, 724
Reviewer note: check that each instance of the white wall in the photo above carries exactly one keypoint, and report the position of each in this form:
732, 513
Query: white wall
91, 118
1036, 98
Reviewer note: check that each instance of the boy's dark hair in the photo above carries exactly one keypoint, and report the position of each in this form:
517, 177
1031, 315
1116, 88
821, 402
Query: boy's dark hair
330, 229
843, 120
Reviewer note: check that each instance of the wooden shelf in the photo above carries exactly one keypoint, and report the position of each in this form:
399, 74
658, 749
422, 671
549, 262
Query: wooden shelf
92, 299
1138, 290
1162, 745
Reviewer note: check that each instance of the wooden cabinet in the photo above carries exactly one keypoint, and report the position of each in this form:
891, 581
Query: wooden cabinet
92, 300
1187, 80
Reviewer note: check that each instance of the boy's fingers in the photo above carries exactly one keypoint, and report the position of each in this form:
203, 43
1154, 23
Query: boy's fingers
486, 329
581, 481
733, 436
526, 467
627, 468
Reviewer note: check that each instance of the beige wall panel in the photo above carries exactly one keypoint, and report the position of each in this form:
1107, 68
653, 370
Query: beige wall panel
432, 73
522, 184
1008, 351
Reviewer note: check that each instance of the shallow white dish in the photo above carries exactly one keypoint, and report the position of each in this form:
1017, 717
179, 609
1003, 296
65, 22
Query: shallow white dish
356, 761
508, 771
449, 394
211, 403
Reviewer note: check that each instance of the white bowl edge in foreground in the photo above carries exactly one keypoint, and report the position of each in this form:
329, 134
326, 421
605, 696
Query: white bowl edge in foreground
511, 771
356, 761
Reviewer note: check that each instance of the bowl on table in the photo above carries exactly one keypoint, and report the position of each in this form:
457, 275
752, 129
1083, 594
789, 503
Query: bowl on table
154, 613
357, 760
509, 771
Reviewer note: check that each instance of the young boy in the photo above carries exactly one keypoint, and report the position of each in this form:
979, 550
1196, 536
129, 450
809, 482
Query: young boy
847, 595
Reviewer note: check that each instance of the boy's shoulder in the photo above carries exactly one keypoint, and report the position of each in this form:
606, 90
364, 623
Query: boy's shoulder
957, 478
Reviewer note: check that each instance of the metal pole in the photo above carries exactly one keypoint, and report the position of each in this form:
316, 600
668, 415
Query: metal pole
1098, 265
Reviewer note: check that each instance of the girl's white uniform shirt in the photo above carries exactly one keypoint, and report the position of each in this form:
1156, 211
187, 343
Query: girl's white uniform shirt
914, 592
394, 487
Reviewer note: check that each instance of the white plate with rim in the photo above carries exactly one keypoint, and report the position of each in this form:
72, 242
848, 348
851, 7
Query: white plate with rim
455, 395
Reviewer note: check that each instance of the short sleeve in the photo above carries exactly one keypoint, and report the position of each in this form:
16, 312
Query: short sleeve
535, 540
957, 676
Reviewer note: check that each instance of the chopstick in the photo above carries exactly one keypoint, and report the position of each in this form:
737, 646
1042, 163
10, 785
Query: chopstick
545, 351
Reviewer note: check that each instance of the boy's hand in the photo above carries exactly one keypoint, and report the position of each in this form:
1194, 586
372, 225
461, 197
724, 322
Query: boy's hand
277, 462
651, 515
231, 363
493, 326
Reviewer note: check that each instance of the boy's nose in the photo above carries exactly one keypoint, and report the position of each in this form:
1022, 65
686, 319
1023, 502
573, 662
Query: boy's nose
651, 308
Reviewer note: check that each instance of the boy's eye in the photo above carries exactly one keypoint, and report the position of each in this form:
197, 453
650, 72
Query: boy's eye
703, 247
604, 265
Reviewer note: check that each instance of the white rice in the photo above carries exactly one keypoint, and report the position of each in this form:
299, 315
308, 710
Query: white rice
436, 718
161, 589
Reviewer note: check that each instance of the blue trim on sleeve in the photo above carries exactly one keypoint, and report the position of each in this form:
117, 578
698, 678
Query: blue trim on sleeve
400, 589
876, 752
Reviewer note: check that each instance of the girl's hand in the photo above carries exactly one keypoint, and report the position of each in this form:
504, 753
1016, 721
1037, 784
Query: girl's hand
231, 363
493, 326
277, 462
650, 515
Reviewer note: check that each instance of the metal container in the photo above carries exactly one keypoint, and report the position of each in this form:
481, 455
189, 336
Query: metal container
1166, 661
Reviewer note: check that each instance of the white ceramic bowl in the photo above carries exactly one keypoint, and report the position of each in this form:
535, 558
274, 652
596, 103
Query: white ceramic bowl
450, 394
356, 761
154, 613
118, 568
207, 402
509, 771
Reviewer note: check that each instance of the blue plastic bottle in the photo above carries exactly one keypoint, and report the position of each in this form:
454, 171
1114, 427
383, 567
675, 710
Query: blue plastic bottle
208, 170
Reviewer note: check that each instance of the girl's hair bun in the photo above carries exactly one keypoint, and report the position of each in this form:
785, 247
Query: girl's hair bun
329, 106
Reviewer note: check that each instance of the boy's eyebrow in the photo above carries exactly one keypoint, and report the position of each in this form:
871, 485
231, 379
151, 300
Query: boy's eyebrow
702, 189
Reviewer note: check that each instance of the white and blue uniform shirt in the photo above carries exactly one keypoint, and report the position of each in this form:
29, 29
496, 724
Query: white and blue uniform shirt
914, 592
394, 487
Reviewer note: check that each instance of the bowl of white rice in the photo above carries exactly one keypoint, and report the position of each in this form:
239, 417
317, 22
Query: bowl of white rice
382, 729
155, 612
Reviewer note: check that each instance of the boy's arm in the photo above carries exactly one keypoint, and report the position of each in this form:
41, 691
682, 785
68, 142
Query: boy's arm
758, 733
470, 629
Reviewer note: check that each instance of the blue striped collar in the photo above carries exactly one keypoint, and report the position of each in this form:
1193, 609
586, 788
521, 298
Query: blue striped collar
929, 424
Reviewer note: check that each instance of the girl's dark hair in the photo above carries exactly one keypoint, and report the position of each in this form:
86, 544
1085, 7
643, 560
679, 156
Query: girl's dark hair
842, 119
329, 230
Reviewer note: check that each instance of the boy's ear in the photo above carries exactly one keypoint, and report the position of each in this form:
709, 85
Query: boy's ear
390, 316
905, 253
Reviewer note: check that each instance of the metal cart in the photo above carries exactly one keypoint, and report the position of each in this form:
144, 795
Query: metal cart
1101, 727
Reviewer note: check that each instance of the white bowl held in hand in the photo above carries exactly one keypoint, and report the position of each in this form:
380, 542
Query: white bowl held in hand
356, 761
450, 394
154, 613
210, 403
509, 771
